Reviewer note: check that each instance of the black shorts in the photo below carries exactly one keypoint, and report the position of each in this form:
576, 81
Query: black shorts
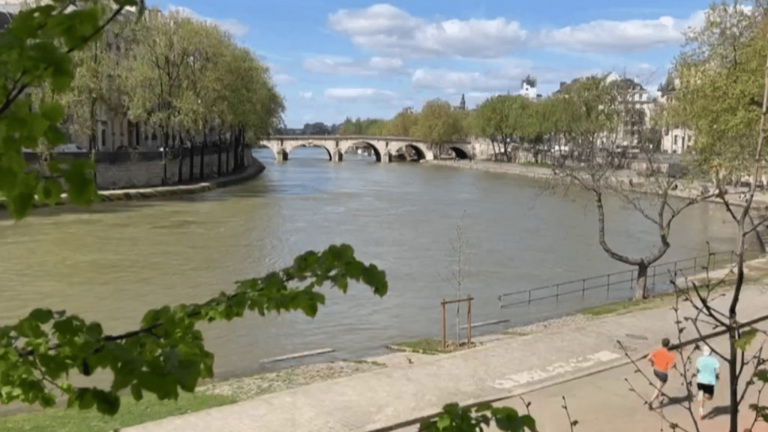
708, 389
662, 376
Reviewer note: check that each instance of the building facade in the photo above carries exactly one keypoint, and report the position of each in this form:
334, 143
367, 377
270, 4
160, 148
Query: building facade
674, 139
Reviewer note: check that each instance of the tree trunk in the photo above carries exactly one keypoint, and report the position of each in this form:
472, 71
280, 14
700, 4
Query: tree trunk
178, 146
641, 283
229, 146
218, 164
191, 161
92, 155
733, 385
166, 138
180, 151
202, 155
236, 151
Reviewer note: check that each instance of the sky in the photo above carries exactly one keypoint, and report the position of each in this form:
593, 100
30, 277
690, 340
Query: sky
332, 59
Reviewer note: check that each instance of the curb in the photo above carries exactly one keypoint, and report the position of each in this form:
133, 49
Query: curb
248, 173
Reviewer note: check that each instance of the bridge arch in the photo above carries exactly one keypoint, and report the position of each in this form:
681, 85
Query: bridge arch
421, 150
377, 152
292, 146
460, 152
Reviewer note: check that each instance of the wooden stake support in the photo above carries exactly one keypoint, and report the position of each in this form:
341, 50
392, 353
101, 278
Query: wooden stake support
445, 303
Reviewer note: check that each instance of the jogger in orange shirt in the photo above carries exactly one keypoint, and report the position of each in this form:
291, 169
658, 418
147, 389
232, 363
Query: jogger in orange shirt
662, 361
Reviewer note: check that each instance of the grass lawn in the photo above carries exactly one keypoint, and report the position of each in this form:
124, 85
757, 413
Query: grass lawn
534, 164
755, 274
421, 346
131, 414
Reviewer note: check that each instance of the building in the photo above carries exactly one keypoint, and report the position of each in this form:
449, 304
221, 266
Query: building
674, 139
638, 104
528, 88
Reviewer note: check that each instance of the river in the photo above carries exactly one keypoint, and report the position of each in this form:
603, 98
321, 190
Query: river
114, 261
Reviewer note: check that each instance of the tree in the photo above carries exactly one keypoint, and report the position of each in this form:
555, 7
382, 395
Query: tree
167, 352
536, 126
154, 75
200, 94
438, 125
729, 51
458, 272
597, 112
404, 124
95, 87
500, 119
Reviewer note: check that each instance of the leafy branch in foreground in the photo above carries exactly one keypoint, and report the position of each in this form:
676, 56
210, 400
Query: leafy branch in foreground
167, 353
454, 418
35, 53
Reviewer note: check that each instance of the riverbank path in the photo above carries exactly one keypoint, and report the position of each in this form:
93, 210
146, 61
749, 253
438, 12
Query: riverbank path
603, 402
513, 365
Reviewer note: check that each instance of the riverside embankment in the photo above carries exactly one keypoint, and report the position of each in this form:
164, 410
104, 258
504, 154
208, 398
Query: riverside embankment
685, 191
252, 169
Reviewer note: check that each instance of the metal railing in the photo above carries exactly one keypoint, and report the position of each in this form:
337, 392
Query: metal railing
659, 279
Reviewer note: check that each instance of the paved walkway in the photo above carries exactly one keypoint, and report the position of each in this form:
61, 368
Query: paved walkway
603, 403
402, 392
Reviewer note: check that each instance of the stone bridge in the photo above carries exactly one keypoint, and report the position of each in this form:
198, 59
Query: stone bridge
383, 148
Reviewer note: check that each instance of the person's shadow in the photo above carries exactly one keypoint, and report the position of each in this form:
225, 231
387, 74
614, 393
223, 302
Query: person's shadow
675, 400
717, 412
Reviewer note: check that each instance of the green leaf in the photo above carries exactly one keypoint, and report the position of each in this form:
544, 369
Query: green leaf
443, 422
746, 339
50, 191
107, 403
85, 398
42, 316
136, 392
52, 111
47, 400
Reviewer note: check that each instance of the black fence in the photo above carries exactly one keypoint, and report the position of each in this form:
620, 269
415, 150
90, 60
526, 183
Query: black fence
620, 285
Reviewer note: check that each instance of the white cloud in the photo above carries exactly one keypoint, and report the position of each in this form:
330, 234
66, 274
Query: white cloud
359, 94
376, 66
283, 79
387, 29
456, 80
233, 26
305, 95
620, 36
506, 76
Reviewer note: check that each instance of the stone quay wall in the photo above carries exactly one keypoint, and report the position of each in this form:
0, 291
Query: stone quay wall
144, 169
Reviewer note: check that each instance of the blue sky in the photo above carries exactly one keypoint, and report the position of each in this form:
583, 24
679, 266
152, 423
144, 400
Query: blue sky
333, 59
